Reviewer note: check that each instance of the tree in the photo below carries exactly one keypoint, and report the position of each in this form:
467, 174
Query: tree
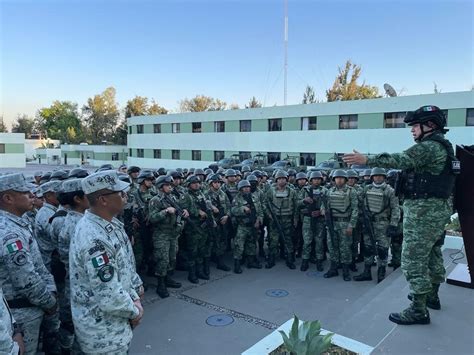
345, 85
201, 103
3, 126
101, 115
309, 97
253, 103
60, 121
138, 106
155, 109
23, 124
234, 107
435, 88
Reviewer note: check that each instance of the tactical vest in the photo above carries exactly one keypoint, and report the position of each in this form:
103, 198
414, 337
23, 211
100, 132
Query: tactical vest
282, 203
375, 199
426, 185
231, 191
316, 194
340, 202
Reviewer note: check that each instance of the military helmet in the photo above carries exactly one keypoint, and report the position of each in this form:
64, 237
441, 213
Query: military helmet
352, 174
214, 178
392, 173
164, 180
145, 175
315, 175
59, 175
106, 167
301, 175
264, 173
424, 114
230, 172
175, 174
252, 178
257, 173
291, 172
78, 173
161, 171
208, 171
191, 170
193, 179
242, 184
133, 169
378, 171
246, 168
124, 177
339, 173
45, 177
367, 172
199, 172
281, 174
238, 173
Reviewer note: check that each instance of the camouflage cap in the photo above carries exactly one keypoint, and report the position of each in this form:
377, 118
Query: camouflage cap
38, 173
50, 186
103, 180
15, 182
72, 185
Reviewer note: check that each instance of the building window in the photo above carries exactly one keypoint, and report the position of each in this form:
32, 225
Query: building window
140, 153
245, 155
196, 154
140, 129
308, 123
394, 119
273, 157
308, 159
130, 152
115, 156
274, 124
129, 129
219, 126
218, 155
2, 148
347, 121
470, 117
157, 128
196, 127
175, 154
245, 126
175, 128
157, 153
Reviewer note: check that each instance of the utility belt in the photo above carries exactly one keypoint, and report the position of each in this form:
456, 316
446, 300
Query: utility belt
340, 219
20, 303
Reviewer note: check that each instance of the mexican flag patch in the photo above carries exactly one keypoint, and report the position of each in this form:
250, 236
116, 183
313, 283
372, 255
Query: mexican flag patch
100, 260
14, 247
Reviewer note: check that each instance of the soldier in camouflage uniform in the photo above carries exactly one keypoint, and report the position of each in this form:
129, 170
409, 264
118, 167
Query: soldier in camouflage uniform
301, 181
344, 208
167, 226
11, 338
310, 201
230, 189
178, 191
429, 167
221, 202
396, 239
28, 286
100, 264
282, 200
248, 213
383, 209
357, 240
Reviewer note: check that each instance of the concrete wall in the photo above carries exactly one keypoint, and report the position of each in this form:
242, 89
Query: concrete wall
32, 144
93, 155
13, 148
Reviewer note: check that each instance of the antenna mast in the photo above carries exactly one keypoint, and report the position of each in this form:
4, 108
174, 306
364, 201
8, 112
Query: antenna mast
286, 53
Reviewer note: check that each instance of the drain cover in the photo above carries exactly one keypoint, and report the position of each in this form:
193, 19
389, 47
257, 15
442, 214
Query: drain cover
277, 293
219, 320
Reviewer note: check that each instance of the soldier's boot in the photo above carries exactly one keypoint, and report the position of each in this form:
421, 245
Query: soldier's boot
51, 344
206, 267
393, 264
432, 299
192, 275
200, 272
221, 265
161, 289
366, 275
253, 262
380, 273
346, 275
313, 260
237, 267
332, 271
290, 261
304, 265
353, 266
416, 313
270, 262
261, 251
169, 282
319, 265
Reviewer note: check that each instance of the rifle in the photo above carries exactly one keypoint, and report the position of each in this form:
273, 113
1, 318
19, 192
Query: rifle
369, 228
253, 210
315, 194
281, 233
328, 218
179, 210
209, 221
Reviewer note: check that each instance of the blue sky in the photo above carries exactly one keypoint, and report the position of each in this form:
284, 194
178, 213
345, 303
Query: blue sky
233, 50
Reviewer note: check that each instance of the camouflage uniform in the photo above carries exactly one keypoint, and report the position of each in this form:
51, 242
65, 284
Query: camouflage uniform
100, 265
43, 233
143, 246
6, 327
220, 200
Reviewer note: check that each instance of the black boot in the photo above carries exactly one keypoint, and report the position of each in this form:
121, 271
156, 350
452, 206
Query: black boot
270, 262
366, 275
353, 266
319, 265
304, 265
332, 271
253, 263
346, 275
380, 273
221, 265
200, 272
290, 261
161, 288
416, 313
206, 268
237, 267
169, 282
432, 299
192, 275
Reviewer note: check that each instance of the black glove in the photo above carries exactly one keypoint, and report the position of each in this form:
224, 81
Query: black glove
392, 231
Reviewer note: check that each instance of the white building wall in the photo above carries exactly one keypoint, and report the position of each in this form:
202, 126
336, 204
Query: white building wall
32, 144
12, 160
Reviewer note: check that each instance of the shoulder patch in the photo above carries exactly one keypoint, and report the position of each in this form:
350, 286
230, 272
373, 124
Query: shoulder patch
106, 273
98, 246
20, 258
100, 260
17, 245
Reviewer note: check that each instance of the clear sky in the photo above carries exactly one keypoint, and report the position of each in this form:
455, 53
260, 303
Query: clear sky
232, 50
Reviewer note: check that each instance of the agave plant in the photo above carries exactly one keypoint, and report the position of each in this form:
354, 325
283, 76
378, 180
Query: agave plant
306, 339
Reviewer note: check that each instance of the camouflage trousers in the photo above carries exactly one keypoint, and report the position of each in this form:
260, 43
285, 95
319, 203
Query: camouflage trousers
245, 240
423, 237
340, 244
313, 232
31, 330
164, 251
357, 240
138, 251
218, 242
382, 243
396, 246
286, 223
66, 329
196, 244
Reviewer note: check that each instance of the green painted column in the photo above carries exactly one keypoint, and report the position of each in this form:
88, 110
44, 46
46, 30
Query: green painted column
328, 122
207, 155
148, 128
320, 157
186, 127
291, 124
148, 153
207, 127
165, 153
232, 126
259, 126
370, 120
14, 148
166, 128
457, 117
185, 155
